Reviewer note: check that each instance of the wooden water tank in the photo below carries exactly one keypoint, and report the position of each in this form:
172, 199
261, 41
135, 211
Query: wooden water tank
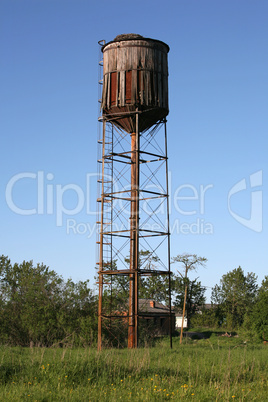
135, 78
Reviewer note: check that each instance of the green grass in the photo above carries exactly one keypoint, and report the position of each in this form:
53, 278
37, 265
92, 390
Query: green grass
214, 369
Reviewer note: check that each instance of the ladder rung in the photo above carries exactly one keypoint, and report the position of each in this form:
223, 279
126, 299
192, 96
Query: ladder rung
106, 201
105, 223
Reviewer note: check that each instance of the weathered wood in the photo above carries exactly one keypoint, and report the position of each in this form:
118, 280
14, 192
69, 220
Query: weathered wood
135, 75
108, 90
122, 88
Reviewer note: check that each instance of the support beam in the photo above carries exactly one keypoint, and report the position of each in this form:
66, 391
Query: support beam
134, 240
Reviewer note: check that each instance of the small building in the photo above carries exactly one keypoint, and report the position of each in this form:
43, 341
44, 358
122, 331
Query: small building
157, 316
178, 315
178, 319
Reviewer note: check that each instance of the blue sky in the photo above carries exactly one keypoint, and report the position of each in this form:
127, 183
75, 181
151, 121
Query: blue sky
217, 127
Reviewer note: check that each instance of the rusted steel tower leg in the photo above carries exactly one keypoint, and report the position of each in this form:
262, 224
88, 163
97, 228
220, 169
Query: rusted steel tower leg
131, 323
101, 247
168, 230
100, 311
134, 241
137, 229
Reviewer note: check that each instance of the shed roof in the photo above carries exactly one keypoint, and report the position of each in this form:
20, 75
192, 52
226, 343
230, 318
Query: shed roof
145, 306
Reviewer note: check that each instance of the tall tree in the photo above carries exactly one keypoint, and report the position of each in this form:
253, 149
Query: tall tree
260, 311
31, 298
195, 299
37, 305
187, 263
235, 296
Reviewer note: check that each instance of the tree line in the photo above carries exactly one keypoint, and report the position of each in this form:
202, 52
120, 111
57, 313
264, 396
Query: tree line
238, 303
39, 307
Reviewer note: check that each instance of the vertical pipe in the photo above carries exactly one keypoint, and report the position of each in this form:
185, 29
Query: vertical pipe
101, 245
111, 224
168, 229
137, 229
134, 239
133, 208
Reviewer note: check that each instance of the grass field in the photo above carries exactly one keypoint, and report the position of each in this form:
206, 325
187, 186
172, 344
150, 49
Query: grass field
214, 369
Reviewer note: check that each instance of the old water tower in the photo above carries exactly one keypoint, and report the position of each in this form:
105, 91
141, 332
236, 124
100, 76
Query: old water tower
133, 235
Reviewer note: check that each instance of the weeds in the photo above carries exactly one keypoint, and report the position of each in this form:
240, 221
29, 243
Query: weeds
192, 371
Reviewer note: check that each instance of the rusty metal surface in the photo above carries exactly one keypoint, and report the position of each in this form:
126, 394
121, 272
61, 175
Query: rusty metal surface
133, 234
135, 77
134, 101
